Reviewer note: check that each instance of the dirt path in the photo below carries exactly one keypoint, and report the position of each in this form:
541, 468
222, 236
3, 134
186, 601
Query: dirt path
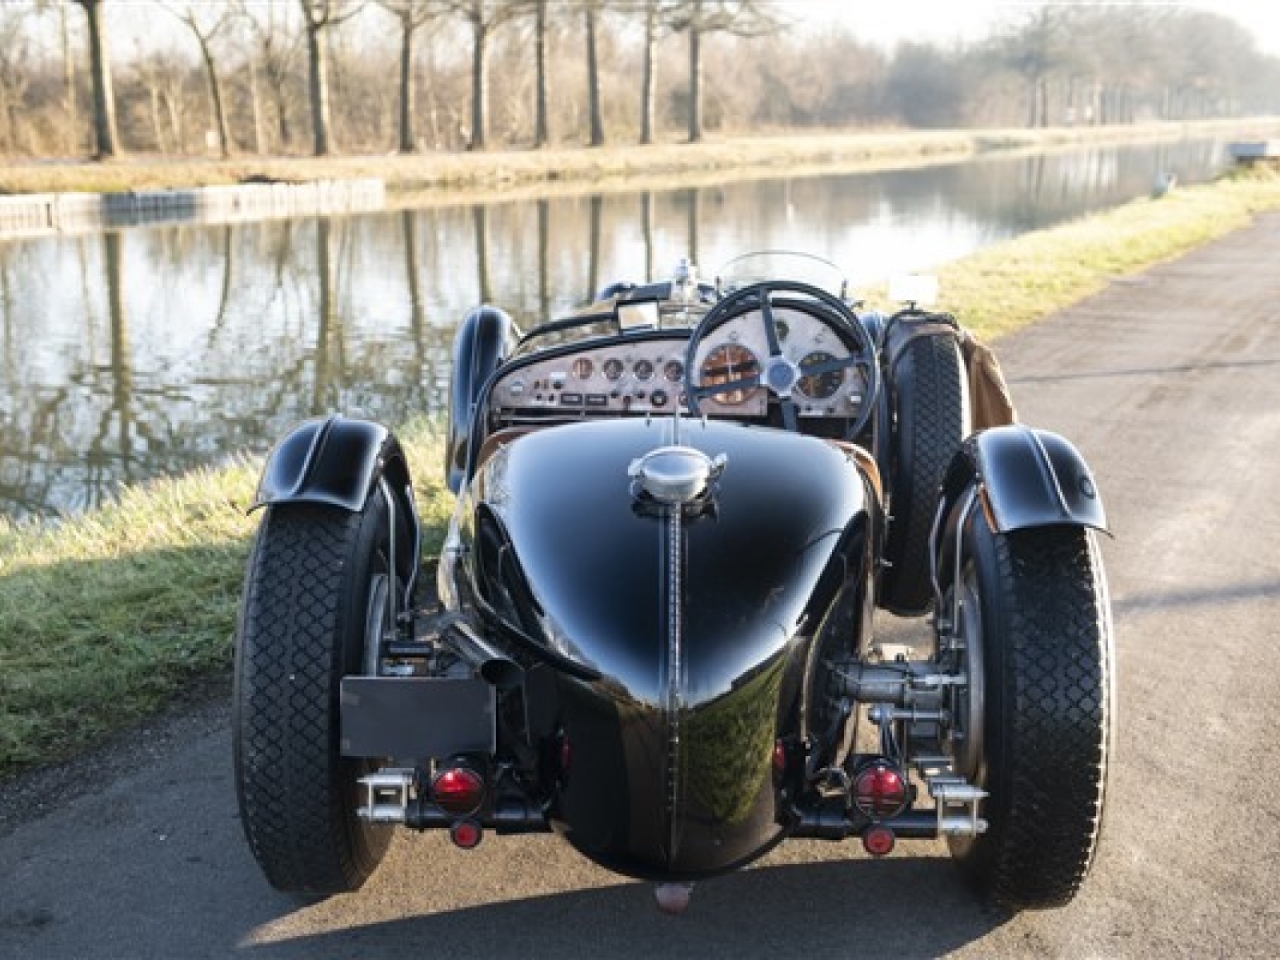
1170, 385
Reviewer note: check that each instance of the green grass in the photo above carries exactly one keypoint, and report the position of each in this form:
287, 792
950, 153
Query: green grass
106, 616
1003, 288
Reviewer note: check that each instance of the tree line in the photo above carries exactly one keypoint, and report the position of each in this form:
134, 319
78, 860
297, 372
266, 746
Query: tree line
323, 77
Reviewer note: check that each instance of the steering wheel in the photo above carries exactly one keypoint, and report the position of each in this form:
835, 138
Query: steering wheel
780, 375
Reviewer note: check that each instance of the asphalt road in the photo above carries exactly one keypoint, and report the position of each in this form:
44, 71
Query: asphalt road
1170, 385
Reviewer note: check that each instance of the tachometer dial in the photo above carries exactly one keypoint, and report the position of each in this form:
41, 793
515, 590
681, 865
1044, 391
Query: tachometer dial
643, 370
613, 368
819, 386
583, 368
727, 364
673, 370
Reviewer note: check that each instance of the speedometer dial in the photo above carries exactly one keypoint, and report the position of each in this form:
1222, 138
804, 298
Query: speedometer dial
819, 386
727, 364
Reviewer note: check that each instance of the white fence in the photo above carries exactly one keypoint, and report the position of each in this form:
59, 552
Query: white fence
35, 214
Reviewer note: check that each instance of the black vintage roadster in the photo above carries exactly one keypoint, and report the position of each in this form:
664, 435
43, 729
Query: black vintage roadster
678, 511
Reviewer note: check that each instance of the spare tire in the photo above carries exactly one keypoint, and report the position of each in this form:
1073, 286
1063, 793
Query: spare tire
929, 419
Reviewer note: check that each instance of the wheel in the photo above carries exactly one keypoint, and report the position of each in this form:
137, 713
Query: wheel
1035, 725
930, 419
315, 608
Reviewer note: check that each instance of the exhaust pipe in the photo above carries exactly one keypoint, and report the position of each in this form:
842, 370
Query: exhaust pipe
495, 667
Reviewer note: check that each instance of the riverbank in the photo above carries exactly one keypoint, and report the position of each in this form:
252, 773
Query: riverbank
109, 615
501, 170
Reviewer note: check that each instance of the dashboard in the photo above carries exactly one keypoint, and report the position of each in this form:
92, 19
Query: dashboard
646, 374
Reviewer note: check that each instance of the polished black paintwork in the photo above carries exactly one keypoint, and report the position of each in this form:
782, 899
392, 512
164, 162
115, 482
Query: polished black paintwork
1030, 478
332, 460
479, 347
561, 545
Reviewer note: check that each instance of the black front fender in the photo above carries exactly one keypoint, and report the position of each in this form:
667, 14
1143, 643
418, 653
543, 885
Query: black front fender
1026, 478
333, 461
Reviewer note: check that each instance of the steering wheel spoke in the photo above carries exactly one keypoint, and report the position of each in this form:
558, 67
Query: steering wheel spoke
831, 366
790, 418
770, 326
776, 373
710, 390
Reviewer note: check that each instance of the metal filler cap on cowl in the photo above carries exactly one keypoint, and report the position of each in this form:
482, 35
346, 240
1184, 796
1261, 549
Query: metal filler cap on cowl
676, 474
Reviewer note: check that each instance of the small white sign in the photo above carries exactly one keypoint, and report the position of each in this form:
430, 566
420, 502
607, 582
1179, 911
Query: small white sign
920, 289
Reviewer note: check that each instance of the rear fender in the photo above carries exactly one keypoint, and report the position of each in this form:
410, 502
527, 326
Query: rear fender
337, 462
1025, 478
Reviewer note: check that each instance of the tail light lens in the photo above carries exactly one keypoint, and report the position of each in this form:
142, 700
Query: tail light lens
880, 790
458, 790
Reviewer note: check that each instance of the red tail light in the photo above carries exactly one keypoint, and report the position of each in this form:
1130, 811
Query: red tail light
878, 841
458, 790
779, 757
880, 790
466, 834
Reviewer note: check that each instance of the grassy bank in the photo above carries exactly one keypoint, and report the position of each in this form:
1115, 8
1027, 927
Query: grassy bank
108, 615
503, 169
105, 617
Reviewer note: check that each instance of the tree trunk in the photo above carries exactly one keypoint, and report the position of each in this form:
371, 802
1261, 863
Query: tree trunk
156, 126
648, 92
255, 104
69, 73
540, 127
408, 142
593, 80
215, 92
106, 140
319, 88
695, 85
479, 85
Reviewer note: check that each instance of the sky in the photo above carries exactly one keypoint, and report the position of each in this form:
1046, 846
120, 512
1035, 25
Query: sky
941, 21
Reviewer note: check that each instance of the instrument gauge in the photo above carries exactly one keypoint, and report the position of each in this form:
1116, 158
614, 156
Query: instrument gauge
583, 368
819, 386
726, 364
673, 370
783, 329
613, 368
643, 370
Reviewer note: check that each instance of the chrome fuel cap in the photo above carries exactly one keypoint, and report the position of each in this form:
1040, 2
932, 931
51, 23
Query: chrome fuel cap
676, 474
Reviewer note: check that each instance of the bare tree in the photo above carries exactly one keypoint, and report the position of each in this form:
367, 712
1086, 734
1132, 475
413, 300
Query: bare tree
161, 75
591, 15
483, 16
411, 15
1035, 49
207, 21
648, 94
275, 54
15, 73
106, 141
318, 17
541, 128
743, 18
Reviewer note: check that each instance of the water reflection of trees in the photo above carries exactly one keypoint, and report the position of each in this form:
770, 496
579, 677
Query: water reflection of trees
152, 350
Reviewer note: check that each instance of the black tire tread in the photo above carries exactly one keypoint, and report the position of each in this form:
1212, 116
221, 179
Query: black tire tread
929, 392
290, 776
1055, 666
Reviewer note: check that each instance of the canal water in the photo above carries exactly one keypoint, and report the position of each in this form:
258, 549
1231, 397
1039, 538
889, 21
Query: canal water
152, 350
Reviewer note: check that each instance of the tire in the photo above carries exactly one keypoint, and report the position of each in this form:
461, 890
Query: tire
314, 591
930, 420
1037, 601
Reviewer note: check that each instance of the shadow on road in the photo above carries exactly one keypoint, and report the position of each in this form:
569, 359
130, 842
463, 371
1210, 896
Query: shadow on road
899, 908
1196, 597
